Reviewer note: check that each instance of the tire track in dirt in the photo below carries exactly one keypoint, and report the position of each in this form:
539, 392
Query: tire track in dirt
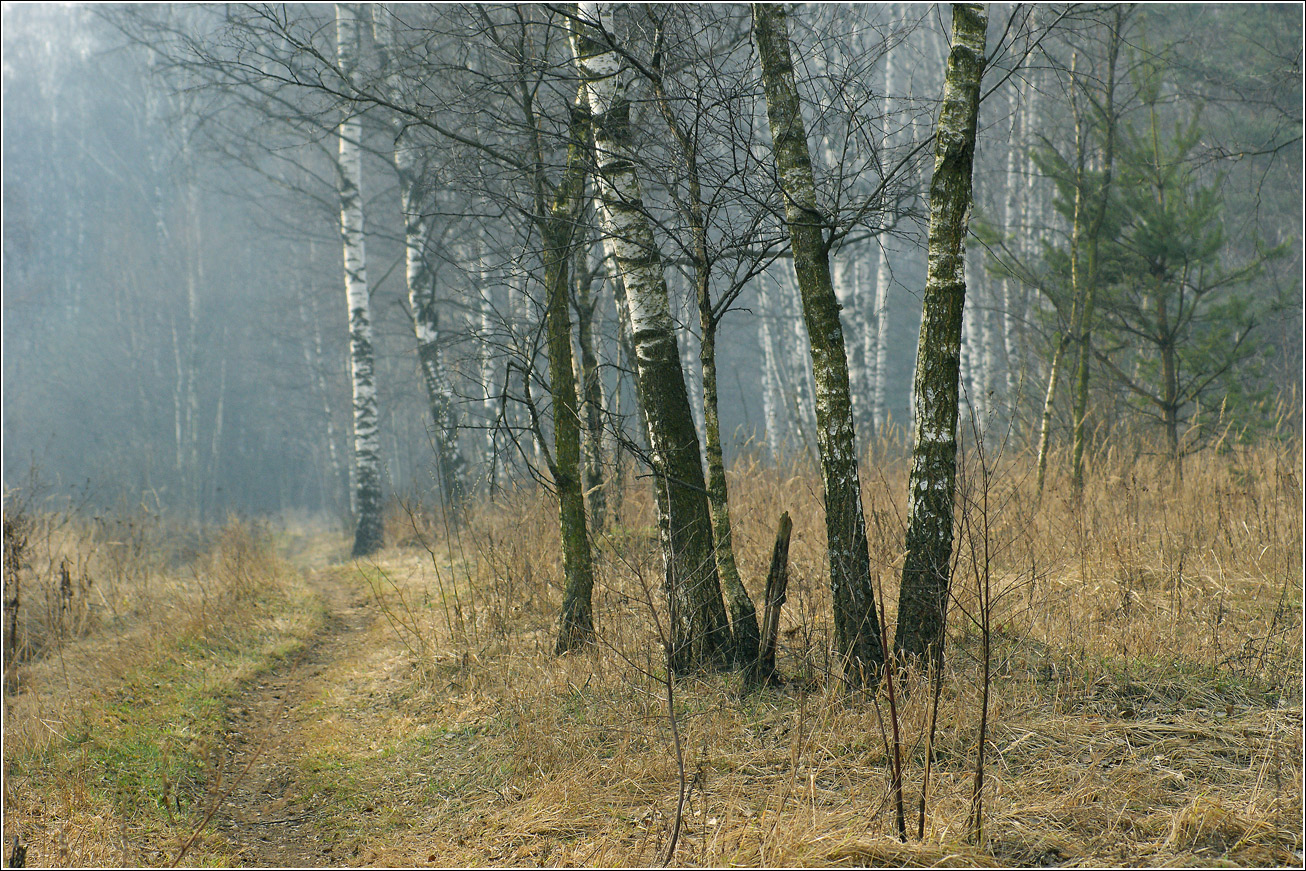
265, 816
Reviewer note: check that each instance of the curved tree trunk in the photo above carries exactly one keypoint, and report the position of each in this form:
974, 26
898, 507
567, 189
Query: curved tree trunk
857, 628
1045, 428
923, 600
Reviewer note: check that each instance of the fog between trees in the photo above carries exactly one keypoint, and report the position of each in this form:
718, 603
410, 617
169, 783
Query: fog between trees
176, 330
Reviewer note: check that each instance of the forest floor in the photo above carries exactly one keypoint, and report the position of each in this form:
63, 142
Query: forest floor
292, 707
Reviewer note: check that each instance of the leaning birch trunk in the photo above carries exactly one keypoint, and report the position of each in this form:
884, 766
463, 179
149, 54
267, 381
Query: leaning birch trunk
1045, 427
368, 534
700, 634
857, 628
923, 600
421, 281
743, 614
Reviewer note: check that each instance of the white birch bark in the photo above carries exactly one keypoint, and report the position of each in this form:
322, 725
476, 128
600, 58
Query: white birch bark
489, 404
923, 597
772, 390
420, 278
802, 405
700, 633
857, 637
883, 275
1011, 314
843, 272
349, 176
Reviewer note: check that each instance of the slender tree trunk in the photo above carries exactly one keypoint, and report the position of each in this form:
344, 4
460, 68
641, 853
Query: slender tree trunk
1045, 429
1084, 330
490, 402
560, 217
368, 534
743, 614
843, 274
576, 624
923, 601
700, 634
883, 277
863, 338
990, 349
1011, 314
802, 402
772, 389
422, 299
857, 628
591, 390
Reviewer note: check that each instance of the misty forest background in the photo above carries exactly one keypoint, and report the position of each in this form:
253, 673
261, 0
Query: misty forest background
175, 324
361, 359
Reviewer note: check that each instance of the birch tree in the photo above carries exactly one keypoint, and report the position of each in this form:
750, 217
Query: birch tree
419, 277
558, 229
368, 534
590, 384
700, 634
923, 599
857, 628
878, 340
697, 213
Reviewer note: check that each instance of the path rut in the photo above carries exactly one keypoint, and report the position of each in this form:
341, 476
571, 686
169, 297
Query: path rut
265, 816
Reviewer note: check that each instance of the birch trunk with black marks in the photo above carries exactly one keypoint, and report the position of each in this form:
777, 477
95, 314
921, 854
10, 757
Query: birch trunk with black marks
489, 381
857, 628
422, 300
700, 633
743, 614
368, 534
923, 600
883, 276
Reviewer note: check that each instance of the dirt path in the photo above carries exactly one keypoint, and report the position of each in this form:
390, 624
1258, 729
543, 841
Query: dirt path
269, 818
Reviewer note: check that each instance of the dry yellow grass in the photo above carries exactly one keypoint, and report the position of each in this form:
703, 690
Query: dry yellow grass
1146, 705
1146, 702
110, 744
